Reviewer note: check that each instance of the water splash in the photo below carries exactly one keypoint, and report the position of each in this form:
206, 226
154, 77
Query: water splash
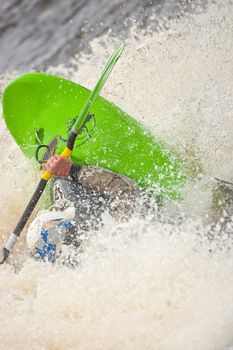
142, 284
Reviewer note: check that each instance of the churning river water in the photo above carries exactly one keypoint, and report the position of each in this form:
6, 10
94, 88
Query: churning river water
142, 284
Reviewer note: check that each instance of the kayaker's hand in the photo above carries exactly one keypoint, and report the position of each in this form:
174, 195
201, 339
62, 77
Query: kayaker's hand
58, 166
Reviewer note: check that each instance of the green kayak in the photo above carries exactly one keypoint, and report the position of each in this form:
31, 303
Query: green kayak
36, 107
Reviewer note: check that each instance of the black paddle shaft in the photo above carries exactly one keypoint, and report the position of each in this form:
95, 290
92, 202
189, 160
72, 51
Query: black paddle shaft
22, 221
10, 243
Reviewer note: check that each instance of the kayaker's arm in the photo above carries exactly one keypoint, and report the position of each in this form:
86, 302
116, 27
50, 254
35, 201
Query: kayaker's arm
121, 190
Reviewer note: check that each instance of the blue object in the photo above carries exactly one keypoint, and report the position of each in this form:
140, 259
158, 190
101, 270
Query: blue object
48, 250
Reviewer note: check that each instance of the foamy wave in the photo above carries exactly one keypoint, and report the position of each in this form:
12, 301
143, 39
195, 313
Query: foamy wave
142, 284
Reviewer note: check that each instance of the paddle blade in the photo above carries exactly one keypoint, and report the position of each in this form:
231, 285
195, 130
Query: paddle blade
96, 91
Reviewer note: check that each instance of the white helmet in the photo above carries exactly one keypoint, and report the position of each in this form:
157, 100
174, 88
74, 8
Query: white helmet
47, 233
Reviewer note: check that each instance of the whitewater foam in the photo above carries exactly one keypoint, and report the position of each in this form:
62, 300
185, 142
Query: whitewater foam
141, 284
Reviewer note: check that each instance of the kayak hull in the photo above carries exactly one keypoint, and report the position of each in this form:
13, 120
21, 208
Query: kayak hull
37, 106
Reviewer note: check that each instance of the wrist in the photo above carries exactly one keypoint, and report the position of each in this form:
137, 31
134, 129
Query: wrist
74, 171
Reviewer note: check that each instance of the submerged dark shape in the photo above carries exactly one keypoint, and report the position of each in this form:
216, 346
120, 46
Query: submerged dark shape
38, 33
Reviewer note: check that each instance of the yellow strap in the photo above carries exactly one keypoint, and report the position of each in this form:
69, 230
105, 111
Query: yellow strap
66, 153
46, 175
